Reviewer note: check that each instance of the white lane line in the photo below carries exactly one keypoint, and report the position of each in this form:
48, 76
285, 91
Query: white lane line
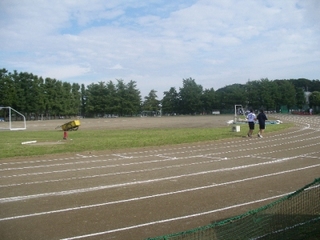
84, 190
98, 188
107, 174
122, 156
160, 194
143, 162
215, 159
175, 219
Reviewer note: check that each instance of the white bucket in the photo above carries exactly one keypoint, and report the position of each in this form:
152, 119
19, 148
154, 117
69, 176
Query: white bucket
236, 128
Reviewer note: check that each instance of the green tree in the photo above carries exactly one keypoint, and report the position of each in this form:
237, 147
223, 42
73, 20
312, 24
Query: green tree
268, 93
209, 100
50, 97
96, 102
58, 106
300, 98
315, 86
170, 102
231, 95
288, 93
121, 99
21, 86
151, 103
111, 98
65, 99
190, 96
89, 100
36, 99
75, 97
265, 99
134, 98
314, 100
83, 93
275, 97
8, 93
303, 83
253, 96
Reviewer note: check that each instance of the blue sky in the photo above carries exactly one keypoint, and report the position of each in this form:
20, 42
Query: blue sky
158, 43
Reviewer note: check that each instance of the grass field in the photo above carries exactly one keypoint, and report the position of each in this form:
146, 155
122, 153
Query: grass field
93, 138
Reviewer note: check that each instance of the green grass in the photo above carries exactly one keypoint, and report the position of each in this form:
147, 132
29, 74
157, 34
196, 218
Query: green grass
51, 142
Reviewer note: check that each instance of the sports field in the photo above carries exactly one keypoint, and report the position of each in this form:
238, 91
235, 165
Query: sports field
148, 192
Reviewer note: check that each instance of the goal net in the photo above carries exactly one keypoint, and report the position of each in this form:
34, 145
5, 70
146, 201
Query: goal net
11, 119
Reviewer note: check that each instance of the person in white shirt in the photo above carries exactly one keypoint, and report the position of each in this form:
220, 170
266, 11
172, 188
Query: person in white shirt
251, 117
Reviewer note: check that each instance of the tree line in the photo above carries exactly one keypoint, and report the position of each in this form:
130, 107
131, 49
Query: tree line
49, 98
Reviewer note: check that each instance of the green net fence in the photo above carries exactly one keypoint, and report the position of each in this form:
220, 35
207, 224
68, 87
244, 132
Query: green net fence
295, 216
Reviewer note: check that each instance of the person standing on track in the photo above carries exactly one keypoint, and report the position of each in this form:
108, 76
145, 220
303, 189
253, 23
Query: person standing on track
251, 117
262, 122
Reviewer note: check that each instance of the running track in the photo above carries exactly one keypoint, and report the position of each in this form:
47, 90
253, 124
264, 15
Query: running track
152, 192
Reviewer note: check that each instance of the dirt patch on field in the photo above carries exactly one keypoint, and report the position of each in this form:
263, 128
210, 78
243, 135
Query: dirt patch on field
135, 122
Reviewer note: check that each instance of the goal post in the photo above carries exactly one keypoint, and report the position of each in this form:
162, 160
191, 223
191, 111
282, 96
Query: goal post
238, 111
6, 123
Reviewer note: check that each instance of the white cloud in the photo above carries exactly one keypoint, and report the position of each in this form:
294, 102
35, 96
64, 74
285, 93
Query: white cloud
117, 67
159, 42
64, 72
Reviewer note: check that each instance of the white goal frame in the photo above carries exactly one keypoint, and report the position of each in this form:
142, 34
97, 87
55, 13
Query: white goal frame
236, 115
9, 126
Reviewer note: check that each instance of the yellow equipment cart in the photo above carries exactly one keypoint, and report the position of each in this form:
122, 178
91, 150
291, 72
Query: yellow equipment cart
70, 126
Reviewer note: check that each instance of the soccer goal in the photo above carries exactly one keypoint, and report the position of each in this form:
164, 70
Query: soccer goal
239, 111
6, 116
